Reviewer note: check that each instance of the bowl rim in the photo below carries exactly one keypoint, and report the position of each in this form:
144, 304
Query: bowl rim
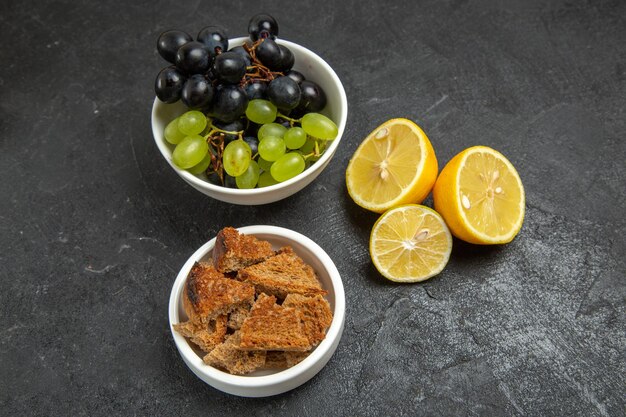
328, 153
319, 353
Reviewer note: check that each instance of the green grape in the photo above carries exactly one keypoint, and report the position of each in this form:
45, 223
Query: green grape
271, 148
208, 127
319, 126
172, 134
192, 123
236, 157
295, 138
249, 178
308, 146
201, 166
264, 165
271, 129
261, 111
247, 146
287, 166
266, 179
190, 151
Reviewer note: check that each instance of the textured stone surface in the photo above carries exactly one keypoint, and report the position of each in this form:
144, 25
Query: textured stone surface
94, 224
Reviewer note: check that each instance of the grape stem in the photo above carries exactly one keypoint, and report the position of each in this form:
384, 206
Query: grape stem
257, 71
316, 150
292, 121
215, 139
216, 143
215, 130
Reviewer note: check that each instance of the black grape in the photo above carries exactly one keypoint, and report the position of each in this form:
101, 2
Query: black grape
197, 92
252, 129
230, 103
297, 76
214, 37
214, 178
169, 42
269, 53
253, 142
312, 99
286, 60
193, 58
262, 26
229, 181
235, 126
283, 122
229, 67
256, 90
169, 84
284, 93
244, 54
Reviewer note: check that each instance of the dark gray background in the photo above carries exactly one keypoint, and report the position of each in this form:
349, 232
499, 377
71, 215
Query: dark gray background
94, 224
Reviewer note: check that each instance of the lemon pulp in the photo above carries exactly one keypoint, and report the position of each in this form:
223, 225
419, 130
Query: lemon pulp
481, 196
410, 243
394, 165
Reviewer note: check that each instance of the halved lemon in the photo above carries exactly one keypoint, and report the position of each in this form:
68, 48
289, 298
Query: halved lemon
481, 197
394, 165
410, 243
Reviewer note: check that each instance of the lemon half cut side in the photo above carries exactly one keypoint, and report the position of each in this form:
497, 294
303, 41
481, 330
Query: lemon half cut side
410, 243
481, 197
394, 165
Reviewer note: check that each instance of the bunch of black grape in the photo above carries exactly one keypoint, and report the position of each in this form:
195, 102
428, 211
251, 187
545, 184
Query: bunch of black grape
209, 77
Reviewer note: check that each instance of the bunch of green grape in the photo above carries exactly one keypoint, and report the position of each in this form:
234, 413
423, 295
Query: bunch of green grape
276, 153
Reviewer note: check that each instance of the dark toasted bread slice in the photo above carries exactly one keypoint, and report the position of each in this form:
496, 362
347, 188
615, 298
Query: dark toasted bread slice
279, 359
234, 250
227, 356
316, 315
208, 293
275, 359
273, 327
294, 358
205, 336
237, 316
285, 273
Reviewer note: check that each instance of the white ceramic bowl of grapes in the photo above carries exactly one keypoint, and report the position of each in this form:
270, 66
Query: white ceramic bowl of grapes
249, 120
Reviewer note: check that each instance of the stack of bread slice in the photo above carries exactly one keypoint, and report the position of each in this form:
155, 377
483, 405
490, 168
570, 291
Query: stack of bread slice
253, 307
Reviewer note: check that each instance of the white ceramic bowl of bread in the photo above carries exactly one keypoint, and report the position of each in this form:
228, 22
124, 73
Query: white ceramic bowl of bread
315, 69
266, 382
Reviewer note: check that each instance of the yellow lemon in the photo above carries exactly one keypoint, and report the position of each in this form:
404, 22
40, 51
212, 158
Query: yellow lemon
480, 196
394, 165
410, 243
